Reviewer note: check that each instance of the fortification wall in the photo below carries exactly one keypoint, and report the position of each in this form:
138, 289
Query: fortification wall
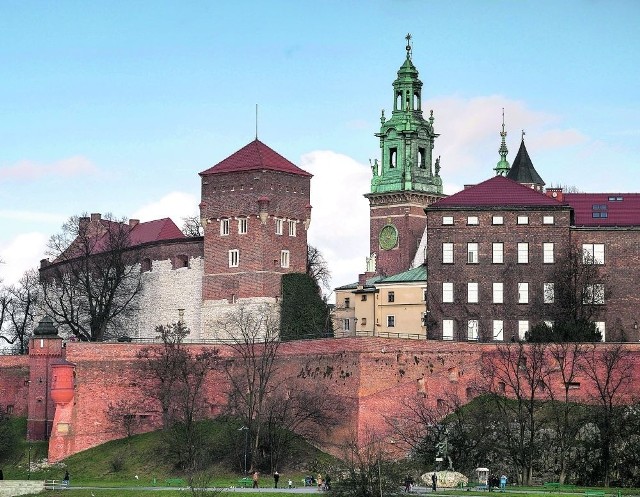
14, 384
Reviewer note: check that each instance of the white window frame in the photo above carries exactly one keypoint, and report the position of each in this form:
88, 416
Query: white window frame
497, 220
346, 324
601, 327
498, 253
593, 253
447, 252
279, 226
234, 258
473, 221
498, 330
447, 220
292, 228
472, 292
523, 253
472, 330
447, 329
523, 293
224, 227
594, 294
548, 220
547, 253
242, 225
391, 321
284, 258
447, 292
498, 293
472, 253
548, 293
523, 220
523, 329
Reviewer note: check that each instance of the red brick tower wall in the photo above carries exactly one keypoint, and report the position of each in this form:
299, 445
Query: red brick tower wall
244, 194
14, 384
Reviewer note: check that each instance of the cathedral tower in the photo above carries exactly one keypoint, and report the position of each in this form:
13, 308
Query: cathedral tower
406, 179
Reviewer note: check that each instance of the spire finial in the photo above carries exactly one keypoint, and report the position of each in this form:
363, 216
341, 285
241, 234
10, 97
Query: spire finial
256, 121
523, 133
408, 47
502, 168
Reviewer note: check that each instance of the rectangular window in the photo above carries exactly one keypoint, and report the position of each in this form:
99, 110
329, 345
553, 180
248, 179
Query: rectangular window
363, 298
391, 321
547, 220
523, 293
447, 220
593, 294
523, 253
523, 329
242, 225
234, 258
447, 329
593, 253
497, 220
346, 324
472, 253
224, 226
498, 330
292, 228
391, 297
472, 292
523, 219
447, 292
600, 326
472, 329
284, 258
279, 224
472, 220
364, 321
498, 252
347, 302
497, 293
447, 253
549, 293
547, 253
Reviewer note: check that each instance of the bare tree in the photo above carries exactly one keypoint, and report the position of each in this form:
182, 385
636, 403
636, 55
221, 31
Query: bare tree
610, 374
19, 303
253, 336
123, 416
93, 281
318, 268
192, 227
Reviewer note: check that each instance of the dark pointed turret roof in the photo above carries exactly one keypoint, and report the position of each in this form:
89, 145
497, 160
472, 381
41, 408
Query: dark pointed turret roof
255, 155
522, 169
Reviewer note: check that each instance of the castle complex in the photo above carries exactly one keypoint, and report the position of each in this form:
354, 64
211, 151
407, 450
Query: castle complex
460, 274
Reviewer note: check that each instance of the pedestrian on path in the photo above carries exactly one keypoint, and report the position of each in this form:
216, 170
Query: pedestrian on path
434, 481
256, 477
276, 477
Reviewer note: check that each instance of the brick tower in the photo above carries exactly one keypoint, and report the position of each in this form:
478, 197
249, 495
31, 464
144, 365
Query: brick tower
405, 181
255, 211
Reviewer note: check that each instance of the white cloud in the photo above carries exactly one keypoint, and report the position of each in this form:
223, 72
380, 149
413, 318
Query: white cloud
175, 205
32, 216
29, 170
21, 254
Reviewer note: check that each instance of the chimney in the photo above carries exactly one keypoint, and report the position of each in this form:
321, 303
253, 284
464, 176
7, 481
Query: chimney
83, 222
134, 222
95, 217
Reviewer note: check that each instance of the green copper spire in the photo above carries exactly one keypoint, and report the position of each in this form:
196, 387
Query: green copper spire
406, 139
502, 169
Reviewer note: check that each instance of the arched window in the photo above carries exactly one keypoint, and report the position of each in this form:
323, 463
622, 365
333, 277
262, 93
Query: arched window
398, 101
393, 157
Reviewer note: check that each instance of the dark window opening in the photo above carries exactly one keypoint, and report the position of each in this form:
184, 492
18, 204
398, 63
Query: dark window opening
347, 303
180, 261
422, 160
391, 297
398, 101
363, 298
573, 385
145, 265
393, 157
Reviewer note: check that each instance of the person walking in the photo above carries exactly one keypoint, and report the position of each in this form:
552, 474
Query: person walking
503, 482
434, 481
65, 480
276, 477
1, 475
256, 477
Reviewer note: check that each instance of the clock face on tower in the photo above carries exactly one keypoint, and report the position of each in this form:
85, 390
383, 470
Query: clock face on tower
388, 237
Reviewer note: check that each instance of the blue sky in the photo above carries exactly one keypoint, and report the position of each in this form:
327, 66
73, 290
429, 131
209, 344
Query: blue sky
116, 106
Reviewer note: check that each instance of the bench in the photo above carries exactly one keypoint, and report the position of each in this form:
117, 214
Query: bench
179, 482
56, 484
594, 493
473, 485
245, 482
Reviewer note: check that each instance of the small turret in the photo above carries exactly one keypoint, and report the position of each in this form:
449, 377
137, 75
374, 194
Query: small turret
502, 168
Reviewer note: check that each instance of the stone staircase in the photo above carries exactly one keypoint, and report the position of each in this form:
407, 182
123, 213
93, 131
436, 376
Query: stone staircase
11, 488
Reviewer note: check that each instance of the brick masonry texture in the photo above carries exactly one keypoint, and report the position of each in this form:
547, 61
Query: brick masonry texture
369, 377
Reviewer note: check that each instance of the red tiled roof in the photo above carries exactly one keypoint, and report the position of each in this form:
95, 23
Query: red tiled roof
255, 155
620, 209
153, 231
497, 191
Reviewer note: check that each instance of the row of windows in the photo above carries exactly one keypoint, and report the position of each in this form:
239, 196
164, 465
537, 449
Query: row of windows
225, 226
496, 220
391, 321
234, 258
391, 297
593, 294
593, 253
497, 329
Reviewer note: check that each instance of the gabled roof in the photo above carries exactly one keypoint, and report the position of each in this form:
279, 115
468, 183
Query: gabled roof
255, 155
354, 286
497, 191
154, 231
522, 169
609, 209
416, 274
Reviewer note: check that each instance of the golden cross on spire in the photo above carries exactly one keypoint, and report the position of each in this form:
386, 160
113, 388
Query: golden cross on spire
408, 38
523, 133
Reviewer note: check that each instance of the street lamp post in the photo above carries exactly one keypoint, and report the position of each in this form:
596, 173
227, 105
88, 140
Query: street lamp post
29, 470
246, 443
